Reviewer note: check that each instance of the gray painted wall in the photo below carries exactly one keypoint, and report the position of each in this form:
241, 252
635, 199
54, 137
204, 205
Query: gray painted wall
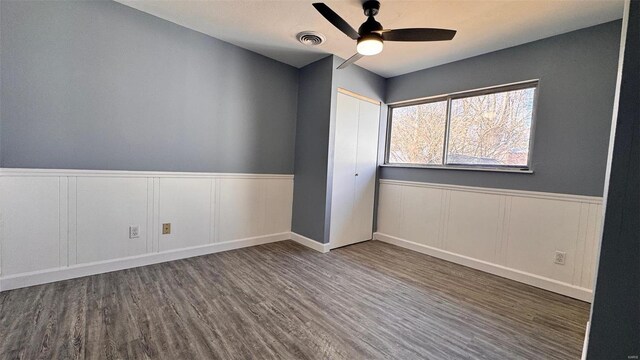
358, 80
577, 73
312, 141
615, 317
318, 84
99, 85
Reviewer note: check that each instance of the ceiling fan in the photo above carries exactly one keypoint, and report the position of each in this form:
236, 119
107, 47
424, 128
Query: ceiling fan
371, 35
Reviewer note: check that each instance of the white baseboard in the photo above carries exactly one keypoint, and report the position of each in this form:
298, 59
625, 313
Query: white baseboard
76, 271
310, 243
513, 274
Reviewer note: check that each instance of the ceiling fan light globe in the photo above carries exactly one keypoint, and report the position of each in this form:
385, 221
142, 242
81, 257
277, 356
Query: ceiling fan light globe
369, 46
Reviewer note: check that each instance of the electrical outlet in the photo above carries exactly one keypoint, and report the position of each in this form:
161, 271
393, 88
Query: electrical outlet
560, 257
134, 232
166, 228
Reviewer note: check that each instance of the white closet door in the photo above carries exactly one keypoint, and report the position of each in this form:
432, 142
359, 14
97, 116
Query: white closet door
354, 170
366, 165
344, 166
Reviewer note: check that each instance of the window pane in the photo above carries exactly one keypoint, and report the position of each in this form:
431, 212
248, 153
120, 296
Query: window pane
417, 133
492, 129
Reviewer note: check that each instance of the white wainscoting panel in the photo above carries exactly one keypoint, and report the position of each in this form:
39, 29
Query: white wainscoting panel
538, 228
60, 224
473, 225
106, 207
253, 207
421, 222
510, 233
278, 208
186, 204
244, 207
31, 224
390, 211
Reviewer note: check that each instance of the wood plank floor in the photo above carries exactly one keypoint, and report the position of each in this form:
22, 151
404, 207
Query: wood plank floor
367, 301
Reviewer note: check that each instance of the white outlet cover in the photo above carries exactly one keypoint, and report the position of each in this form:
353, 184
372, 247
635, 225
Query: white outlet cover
134, 232
560, 257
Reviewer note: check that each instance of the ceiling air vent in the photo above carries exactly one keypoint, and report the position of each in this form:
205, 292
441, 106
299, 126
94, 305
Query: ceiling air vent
310, 38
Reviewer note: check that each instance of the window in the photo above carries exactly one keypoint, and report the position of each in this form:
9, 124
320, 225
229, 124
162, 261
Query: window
490, 128
417, 133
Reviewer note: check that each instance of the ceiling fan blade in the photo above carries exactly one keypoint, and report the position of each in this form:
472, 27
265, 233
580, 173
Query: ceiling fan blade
350, 61
424, 34
336, 20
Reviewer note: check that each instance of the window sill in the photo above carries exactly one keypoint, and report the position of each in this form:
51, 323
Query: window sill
463, 168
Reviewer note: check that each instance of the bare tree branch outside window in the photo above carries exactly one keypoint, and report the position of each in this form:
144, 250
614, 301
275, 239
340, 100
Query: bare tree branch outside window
417, 134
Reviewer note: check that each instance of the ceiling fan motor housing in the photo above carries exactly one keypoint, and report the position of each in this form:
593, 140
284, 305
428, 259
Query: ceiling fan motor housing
369, 26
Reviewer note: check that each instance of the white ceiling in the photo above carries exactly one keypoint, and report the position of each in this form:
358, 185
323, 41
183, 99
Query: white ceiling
269, 27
